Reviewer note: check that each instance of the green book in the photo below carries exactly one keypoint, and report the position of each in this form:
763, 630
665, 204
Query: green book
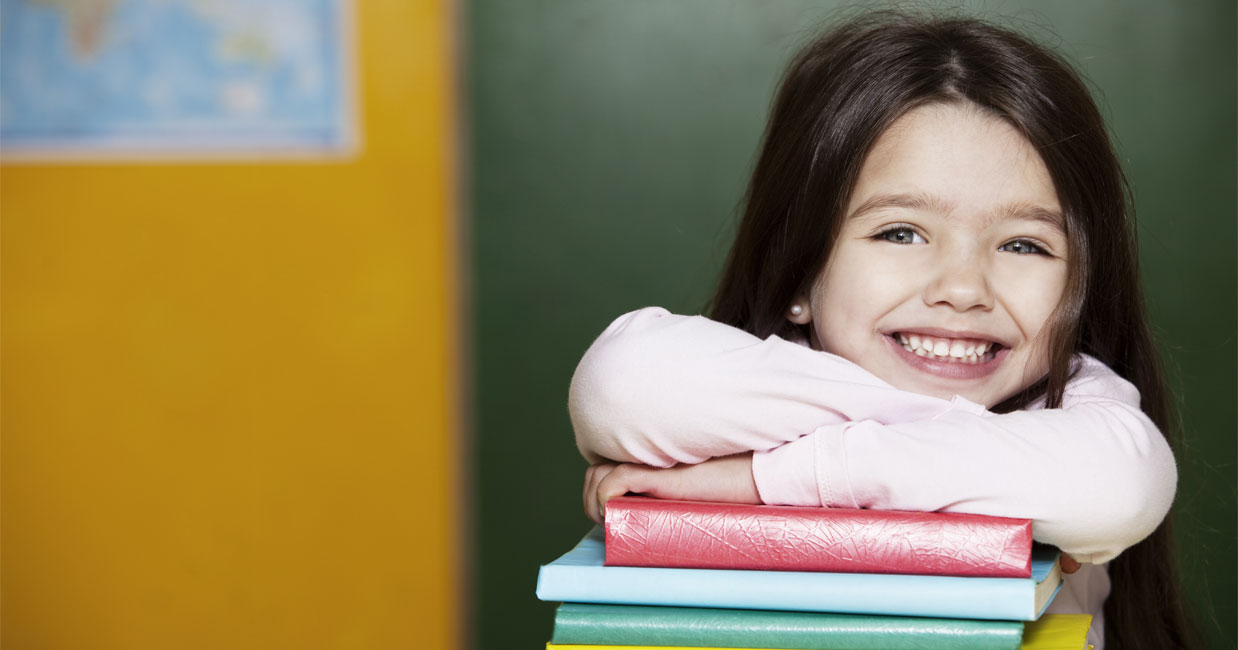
640, 625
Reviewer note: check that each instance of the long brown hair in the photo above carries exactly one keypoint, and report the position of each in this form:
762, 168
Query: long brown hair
837, 97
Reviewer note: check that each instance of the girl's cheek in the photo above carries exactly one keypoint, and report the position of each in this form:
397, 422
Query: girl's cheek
1033, 294
1040, 296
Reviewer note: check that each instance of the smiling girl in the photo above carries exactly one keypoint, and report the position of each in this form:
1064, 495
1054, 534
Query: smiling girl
932, 303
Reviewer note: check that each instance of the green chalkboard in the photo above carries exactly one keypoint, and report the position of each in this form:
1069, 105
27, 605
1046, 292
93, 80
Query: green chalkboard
609, 143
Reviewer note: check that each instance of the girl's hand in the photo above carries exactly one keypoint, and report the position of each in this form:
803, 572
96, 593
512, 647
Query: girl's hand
727, 479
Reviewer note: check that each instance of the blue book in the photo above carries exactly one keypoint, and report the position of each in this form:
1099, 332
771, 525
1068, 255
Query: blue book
579, 576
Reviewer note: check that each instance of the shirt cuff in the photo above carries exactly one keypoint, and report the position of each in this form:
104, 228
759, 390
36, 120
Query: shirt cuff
785, 475
833, 477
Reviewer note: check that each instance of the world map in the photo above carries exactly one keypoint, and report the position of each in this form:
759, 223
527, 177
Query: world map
174, 75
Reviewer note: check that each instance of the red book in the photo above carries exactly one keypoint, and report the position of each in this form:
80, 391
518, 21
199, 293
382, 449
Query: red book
687, 534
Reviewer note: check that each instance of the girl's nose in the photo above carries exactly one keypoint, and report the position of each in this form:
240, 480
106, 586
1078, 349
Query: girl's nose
962, 284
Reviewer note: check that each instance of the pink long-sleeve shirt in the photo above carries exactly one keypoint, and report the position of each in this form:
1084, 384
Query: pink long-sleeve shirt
1095, 476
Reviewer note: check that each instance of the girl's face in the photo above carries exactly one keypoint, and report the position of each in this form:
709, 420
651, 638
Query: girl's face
949, 262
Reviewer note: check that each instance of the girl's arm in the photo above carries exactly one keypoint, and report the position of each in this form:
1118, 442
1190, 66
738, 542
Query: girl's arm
660, 389
1095, 475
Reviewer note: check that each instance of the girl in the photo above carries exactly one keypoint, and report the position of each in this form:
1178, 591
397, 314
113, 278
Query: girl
932, 303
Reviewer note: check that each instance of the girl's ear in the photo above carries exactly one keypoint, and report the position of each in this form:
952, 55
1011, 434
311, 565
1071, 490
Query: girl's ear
798, 312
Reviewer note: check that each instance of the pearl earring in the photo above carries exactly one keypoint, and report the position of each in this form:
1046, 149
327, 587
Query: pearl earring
796, 310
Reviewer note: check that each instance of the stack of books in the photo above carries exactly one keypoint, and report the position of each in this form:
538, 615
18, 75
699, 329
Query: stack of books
676, 574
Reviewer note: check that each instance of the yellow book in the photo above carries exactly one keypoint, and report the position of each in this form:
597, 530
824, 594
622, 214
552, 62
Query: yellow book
1051, 632
1057, 632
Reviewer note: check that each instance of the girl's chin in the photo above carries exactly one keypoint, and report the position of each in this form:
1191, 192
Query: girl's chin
982, 395
934, 389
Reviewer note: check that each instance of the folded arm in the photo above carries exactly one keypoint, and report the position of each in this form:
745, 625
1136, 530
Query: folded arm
1095, 477
660, 389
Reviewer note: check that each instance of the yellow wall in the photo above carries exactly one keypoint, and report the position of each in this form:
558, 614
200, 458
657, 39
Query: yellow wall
227, 389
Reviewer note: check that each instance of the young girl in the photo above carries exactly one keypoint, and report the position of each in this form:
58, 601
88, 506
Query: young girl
932, 303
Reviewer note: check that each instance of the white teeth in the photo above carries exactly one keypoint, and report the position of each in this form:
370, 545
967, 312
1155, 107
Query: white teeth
954, 351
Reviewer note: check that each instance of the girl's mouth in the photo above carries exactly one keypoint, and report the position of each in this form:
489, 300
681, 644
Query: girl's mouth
948, 350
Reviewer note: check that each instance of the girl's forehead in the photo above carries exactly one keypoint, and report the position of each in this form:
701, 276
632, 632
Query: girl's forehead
947, 157
950, 129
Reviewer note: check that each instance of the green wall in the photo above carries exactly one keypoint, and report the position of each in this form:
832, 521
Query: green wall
609, 145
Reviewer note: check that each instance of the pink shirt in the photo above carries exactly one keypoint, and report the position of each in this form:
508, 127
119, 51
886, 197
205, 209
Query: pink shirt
1095, 476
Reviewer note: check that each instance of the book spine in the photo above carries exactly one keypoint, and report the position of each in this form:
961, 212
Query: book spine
642, 532
674, 626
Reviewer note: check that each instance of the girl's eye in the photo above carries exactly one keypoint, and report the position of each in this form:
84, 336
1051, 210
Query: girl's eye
901, 235
1023, 247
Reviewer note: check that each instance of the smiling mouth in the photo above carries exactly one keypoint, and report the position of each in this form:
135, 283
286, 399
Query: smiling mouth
946, 350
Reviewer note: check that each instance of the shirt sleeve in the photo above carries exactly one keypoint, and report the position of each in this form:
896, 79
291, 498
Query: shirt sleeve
1095, 476
659, 389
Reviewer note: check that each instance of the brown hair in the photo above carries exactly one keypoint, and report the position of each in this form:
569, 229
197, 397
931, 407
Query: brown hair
839, 94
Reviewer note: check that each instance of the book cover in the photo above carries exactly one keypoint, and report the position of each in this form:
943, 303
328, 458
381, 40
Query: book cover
636, 625
580, 576
662, 533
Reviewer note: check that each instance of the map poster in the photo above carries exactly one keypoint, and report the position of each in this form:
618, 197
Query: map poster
104, 79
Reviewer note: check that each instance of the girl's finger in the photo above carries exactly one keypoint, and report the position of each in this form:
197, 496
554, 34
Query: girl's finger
590, 489
619, 481
593, 478
584, 496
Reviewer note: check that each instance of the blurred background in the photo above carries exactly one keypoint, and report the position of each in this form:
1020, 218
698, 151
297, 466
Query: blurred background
292, 290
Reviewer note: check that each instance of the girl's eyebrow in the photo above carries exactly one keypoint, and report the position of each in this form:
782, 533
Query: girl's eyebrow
915, 201
1020, 211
